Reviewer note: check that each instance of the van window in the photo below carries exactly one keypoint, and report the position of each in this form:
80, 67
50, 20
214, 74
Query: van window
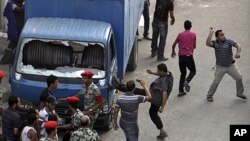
61, 58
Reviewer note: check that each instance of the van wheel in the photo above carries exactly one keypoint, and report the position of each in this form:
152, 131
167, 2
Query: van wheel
133, 58
109, 125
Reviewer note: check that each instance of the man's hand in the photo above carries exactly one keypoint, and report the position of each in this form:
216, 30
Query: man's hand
161, 109
211, 29
237, 55
116, 126
149, 72
172, 21
173, 55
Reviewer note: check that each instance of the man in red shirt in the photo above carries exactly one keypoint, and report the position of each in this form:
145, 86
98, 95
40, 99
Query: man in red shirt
187, 44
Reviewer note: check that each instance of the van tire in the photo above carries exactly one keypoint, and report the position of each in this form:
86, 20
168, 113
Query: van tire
133, 58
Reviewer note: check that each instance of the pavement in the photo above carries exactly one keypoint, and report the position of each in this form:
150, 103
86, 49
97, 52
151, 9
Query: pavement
191, 117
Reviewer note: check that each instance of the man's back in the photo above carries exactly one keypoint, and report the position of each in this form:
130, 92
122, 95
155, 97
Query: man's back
129, 104
186, 41
84, 134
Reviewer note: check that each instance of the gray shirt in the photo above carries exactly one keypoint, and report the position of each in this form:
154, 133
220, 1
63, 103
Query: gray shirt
161, 84
224, 52
129, 104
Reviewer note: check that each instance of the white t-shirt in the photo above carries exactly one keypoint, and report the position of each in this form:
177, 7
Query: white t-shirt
24, 135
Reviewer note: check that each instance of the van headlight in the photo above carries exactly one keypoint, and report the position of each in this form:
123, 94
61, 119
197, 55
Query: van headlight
102, 82
18, 76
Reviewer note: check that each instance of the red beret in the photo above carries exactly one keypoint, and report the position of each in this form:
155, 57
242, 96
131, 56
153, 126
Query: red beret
73, 99
50, 124
87, 73
1, 74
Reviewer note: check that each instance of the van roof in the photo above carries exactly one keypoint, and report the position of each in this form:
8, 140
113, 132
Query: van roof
67, 29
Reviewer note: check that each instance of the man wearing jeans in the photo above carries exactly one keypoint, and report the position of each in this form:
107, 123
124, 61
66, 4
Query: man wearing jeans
146, 21
224, 62
187, 44
160, 27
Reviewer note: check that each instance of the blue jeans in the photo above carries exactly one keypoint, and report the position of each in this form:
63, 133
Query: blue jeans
130, 129
160, 28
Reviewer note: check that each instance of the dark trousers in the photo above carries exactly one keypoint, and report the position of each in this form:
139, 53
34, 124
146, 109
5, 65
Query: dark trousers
160, 28
131, 130
184, 63
153, 110
146, 19
9, 52
153, 113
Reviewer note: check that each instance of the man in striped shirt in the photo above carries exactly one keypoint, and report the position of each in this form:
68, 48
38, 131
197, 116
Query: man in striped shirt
225, 62
129, 104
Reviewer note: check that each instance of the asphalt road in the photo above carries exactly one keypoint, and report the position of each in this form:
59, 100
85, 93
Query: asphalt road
192, 118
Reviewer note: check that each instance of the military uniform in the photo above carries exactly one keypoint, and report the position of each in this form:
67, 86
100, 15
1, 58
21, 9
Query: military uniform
76, 119
90, 95
84, 134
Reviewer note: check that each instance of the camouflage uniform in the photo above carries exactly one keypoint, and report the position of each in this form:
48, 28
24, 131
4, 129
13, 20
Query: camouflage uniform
90, 100
84, 134
47, 139
76, 119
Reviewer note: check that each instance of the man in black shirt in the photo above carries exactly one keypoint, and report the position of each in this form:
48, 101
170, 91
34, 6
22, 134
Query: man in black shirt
160, 90
52, 82
160, 27
11, 120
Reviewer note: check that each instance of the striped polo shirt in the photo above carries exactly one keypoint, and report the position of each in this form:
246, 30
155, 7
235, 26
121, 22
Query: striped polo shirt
129, 104
224, 52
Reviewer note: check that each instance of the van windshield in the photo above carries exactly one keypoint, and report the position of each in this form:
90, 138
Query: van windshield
61, 58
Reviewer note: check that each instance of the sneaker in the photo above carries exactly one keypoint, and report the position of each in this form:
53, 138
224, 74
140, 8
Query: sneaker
148, 38
162, 135
187, 86
162, 58
181, 94
242, 96
210, 99
153, 55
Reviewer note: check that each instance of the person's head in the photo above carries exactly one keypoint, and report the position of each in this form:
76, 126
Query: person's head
33, 119
220, 36
14, 102
85, 121
50, 127
73, 102
130, 86
87, 77
51, 103
162, 69
53, 117
187, 25
52, 82
1, 75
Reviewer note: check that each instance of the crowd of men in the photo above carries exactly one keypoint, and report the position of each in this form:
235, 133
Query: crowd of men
43, 125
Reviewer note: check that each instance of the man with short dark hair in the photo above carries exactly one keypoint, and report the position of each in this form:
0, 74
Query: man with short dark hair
160, 90
187, 44
160, 27
11, 120
52, 83
45, 112
129, 104
225, 62
29, 132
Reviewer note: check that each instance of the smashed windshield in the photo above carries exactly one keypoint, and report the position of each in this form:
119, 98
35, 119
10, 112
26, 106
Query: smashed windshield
61, 58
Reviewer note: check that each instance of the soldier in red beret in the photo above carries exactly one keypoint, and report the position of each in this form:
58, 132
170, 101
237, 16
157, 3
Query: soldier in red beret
51, 129
92, 97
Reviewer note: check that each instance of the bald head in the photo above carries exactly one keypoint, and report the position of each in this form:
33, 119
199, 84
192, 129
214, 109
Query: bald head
85, 121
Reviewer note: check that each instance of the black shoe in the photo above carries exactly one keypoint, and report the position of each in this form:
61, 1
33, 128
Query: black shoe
148, 38
187, 86
115, 82
181, 94
210, 99
4, 61
162, 59
242, 96
162, 135
153, 55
